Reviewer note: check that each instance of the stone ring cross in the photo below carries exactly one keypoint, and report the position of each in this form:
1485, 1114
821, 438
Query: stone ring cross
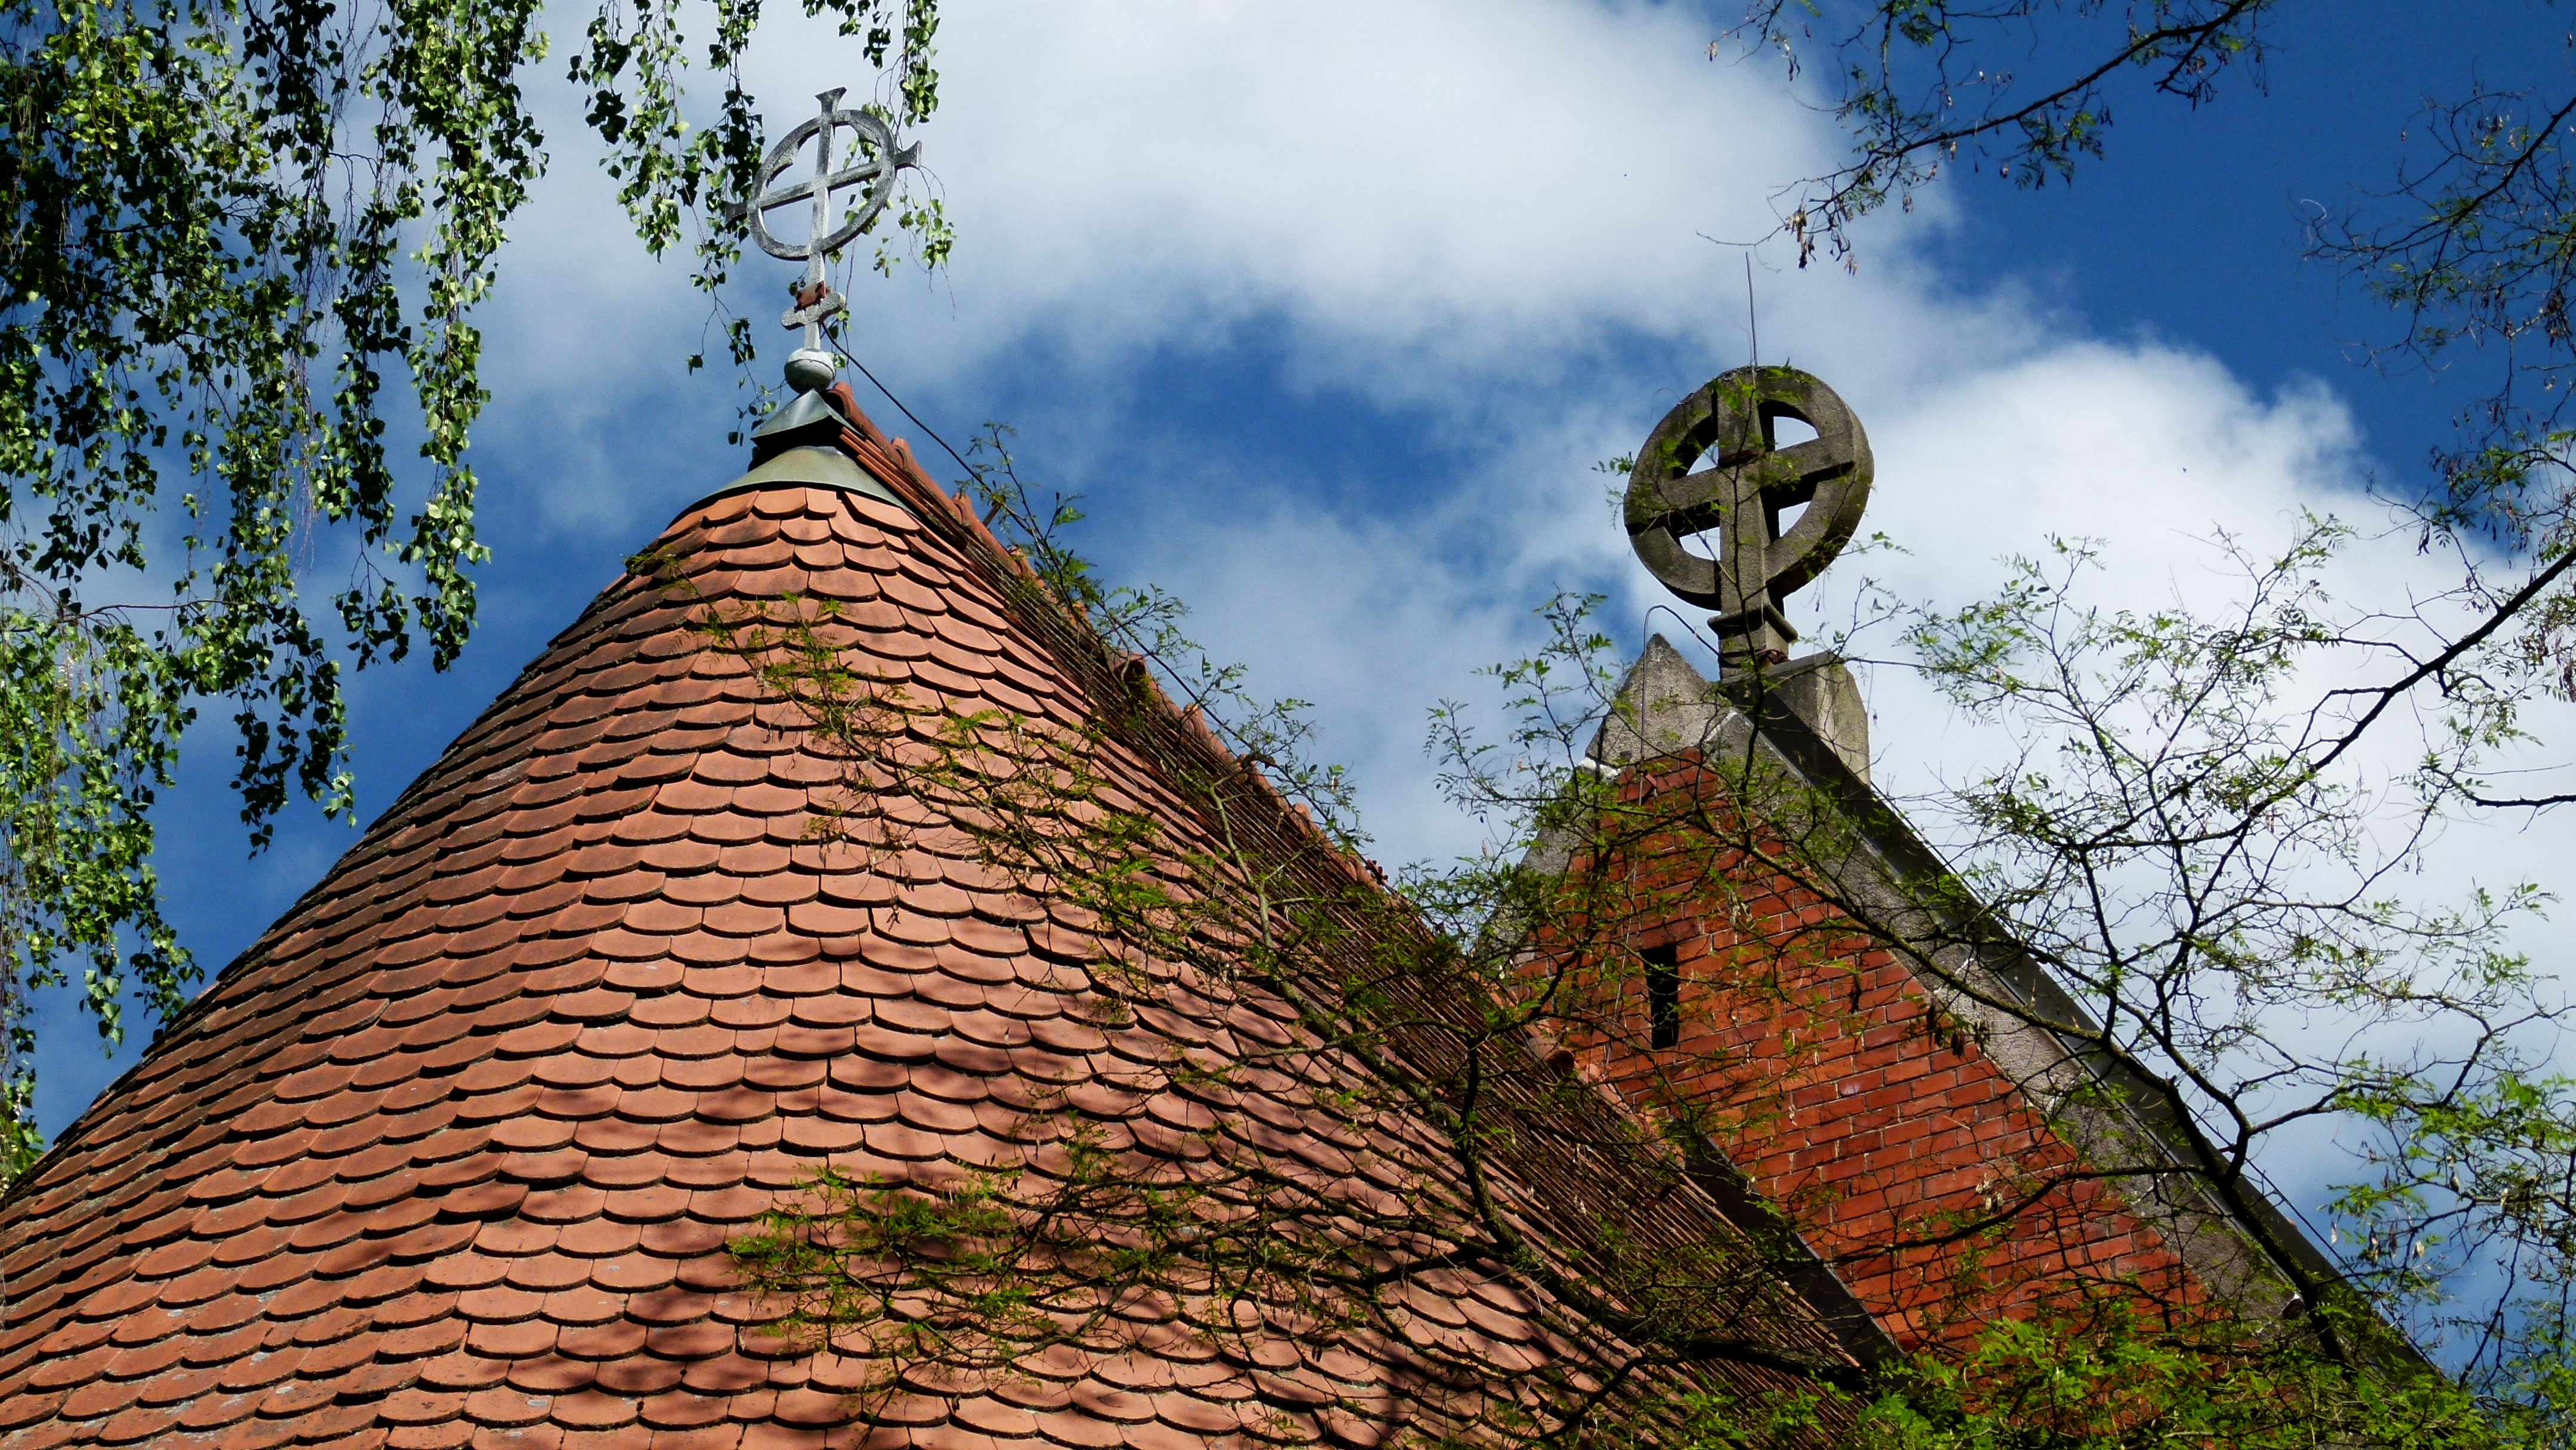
1750, 483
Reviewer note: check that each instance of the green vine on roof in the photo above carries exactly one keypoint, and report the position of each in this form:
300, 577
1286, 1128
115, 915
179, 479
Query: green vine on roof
242, 244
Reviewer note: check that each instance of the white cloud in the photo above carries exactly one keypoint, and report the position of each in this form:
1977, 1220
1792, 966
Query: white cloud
1427, 196
2145, 450
1483, 223
1487, 223
1461, 181
2144, 447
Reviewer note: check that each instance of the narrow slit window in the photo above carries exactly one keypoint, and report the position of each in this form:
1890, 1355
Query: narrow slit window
1663, 996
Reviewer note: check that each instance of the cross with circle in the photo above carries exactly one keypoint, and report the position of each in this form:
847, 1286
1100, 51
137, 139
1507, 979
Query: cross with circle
875, 169
1751, 483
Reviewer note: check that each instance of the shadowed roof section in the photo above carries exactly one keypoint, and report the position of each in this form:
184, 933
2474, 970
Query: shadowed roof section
451, 1155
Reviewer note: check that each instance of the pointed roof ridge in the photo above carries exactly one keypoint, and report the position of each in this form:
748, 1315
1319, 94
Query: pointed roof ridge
1180, 732
455, 1147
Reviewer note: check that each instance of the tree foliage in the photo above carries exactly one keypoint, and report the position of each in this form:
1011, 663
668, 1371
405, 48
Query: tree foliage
241, 247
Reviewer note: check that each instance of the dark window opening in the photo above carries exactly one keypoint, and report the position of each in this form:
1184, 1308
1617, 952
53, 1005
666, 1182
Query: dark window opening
1663, 996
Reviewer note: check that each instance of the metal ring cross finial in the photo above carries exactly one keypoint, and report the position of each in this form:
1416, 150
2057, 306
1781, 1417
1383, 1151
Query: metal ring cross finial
811, 369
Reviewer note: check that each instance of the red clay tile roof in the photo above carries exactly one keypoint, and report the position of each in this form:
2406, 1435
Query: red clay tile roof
450, 1156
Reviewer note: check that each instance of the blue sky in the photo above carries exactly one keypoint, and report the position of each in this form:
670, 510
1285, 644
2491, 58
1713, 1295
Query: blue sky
1326, 308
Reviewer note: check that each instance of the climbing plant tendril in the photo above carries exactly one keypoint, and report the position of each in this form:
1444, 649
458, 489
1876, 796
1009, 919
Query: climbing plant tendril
242, 246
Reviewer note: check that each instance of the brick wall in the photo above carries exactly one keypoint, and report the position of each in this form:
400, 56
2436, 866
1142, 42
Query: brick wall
1902, 1151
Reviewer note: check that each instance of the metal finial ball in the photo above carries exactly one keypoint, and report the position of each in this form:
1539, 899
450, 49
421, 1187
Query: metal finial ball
810, 370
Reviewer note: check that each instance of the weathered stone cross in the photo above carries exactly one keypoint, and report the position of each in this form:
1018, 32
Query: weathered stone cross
1751, 482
